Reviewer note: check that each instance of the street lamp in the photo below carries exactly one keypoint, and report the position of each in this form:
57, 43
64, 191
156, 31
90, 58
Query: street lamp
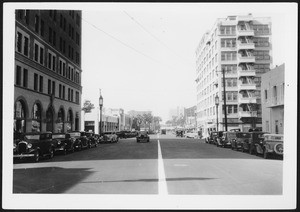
217, 104
100, 105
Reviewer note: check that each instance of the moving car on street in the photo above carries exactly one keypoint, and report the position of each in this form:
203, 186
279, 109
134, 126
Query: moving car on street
143, 136
63, 142
240, 139
35, 145
272, 145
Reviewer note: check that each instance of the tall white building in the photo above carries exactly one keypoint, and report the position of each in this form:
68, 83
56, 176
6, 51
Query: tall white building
241, 47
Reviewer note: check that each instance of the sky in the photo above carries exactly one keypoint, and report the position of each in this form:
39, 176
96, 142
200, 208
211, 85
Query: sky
142, 56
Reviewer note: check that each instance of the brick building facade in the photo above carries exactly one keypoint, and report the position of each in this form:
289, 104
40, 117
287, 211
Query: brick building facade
47, 86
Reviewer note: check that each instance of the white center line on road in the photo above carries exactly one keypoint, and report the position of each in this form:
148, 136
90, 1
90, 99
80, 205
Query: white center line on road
162, 184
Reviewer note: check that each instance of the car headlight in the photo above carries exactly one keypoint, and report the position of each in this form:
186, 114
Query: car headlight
58, 142
29, 145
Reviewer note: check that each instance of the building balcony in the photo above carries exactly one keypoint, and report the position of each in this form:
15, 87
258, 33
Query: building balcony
246, 59
247, 114
248, 86
246, 32
276, 101
247, 100
249, 45
246, 73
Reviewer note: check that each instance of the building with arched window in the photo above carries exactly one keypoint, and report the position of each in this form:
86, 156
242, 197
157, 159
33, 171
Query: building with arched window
47, 87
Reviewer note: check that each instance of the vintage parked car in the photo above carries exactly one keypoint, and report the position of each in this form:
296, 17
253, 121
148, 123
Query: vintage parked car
35, 145
239, 140
91, 139
81, 141
110, 137
142, 136
225, 140
63, 142
97, 138
217, 136
255, 139
272, 144
191, 135
212, 137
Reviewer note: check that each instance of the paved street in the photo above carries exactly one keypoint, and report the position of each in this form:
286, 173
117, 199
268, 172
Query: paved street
166, 165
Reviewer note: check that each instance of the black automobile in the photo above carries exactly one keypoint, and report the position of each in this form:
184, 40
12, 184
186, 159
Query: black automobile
91, 139
179, 133
241, 139
35, 146
214, 137
63, 143
255, 139
122, 134
143, 136
81, 141
97, 138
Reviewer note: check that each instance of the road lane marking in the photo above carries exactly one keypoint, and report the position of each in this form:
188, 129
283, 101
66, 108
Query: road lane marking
162, 184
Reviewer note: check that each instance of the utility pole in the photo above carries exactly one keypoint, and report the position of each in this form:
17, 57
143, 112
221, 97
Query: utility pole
225, 107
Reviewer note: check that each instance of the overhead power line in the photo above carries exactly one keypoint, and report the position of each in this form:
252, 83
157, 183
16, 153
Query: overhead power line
126, 45
152, 35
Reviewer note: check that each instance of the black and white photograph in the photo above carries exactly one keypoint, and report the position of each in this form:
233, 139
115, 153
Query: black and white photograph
149, 105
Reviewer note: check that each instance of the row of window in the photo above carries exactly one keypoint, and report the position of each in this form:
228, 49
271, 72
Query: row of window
22, 79
23, 45
276, 94
20, 118
39, 27
227, 30
231, 109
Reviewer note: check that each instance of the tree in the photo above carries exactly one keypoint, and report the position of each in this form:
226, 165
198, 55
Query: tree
87, 108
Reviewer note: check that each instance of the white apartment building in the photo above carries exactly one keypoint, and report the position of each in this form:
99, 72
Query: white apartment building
241, 47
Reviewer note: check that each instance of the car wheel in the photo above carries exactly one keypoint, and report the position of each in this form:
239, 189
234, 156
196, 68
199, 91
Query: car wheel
266, 155
37, 156
51, 153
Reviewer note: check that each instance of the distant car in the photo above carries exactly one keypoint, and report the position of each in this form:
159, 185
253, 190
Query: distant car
63, 142
91, 139
110, 137
239, 140
272, 144
81, 141
142, 136
179, 133
191, 135
35, 145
